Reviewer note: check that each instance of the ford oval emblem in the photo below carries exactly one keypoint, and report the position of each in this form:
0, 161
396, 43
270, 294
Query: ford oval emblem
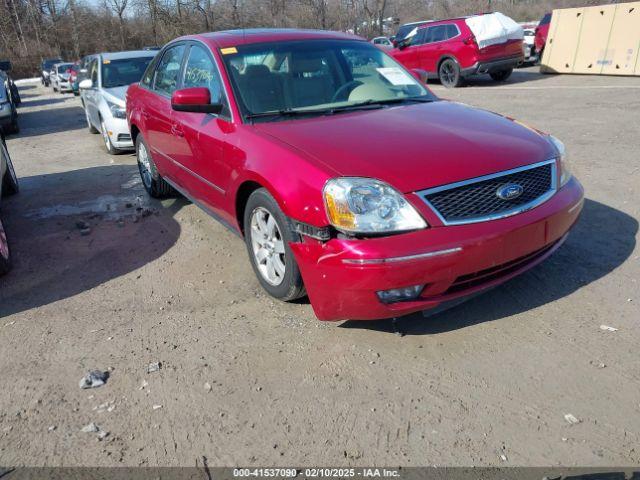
509, 191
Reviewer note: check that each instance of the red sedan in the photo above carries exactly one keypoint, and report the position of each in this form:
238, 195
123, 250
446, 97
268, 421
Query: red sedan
347, 178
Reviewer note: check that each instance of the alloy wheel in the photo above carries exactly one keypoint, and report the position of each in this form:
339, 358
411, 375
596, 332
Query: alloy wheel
105, 136
268, 246
144, 165
447, 73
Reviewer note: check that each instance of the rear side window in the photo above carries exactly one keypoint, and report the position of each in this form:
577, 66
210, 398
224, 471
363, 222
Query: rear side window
168, 71
546, 19
437, 33
452, 31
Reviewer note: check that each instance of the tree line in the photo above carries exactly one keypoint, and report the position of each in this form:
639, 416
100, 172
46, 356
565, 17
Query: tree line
32, 30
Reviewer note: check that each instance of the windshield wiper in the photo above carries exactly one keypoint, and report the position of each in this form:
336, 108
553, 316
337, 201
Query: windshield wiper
370, 104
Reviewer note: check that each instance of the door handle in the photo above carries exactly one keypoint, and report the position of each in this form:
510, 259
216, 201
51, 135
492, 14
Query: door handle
177, 130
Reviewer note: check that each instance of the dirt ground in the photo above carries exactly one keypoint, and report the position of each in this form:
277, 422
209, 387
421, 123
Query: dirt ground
246, 380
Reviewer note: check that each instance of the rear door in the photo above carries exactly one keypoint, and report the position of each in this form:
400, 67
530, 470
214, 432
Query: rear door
157, 110
201, 138
435, 46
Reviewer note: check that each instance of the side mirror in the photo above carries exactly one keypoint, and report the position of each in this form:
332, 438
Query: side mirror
85, 84
420, 74
195, 99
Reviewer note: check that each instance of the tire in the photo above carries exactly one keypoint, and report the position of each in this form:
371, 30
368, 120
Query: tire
10, 180
267, 235
449, 73
14, 126
111, 150
152, 181
501, 75
90, 126
5, 254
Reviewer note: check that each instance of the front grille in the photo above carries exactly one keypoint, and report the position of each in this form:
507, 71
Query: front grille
477, 199
124, 137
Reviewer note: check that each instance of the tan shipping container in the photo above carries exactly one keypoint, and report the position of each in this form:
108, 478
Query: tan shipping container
598, 40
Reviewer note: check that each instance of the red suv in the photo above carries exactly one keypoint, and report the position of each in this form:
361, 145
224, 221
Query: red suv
542, 31
347, 178
448, 50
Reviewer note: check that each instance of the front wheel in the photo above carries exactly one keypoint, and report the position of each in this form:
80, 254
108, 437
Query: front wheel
267, 233
501, 75
90, 126
449, 74
5, 255
10, 180
152, 181
111, 150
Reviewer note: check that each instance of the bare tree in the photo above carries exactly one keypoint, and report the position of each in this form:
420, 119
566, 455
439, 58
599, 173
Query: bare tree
119, 7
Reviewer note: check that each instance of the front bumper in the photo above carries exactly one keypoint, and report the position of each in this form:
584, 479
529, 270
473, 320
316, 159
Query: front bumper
495, 65
64, 86
465, 260
119, 133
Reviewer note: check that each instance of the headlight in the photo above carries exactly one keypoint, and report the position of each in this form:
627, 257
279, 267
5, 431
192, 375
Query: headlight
116, 110
563, 162
365, 205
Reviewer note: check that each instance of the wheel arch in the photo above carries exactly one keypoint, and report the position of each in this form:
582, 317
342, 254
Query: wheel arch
447, 56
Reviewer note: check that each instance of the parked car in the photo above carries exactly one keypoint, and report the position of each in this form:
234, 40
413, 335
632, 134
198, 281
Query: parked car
542, 30
47, 66
529, 45
59, 78
348, 179
8, 186
450, 51
406, 30
8, 111
103, 94
11, 87
382, 42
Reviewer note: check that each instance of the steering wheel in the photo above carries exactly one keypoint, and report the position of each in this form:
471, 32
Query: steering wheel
347, 86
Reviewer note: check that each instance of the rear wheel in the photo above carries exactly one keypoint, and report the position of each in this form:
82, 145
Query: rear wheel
152, 181
14, 126
449, 73
267, 233
5, 255
501, 75
10, 180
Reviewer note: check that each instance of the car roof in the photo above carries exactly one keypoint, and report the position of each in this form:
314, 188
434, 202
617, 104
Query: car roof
448, 20
231, 38
127, 54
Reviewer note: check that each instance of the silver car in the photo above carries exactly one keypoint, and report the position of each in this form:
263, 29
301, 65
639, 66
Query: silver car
103, 94
60, 76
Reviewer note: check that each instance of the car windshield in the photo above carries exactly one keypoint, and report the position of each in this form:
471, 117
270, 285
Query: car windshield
118, 73
62, 68
285, 79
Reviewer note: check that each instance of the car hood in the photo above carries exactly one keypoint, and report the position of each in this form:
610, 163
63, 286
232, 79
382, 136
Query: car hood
118, 93
416, 146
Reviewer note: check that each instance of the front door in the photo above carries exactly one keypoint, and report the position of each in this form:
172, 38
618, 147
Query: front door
201, 138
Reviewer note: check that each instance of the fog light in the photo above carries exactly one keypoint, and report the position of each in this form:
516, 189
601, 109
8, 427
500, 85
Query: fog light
400, 294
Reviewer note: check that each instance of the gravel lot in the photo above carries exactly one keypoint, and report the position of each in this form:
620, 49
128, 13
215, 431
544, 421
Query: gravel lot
245, 380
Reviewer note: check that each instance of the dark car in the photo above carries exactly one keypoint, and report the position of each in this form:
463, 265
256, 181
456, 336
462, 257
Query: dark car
8, 186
